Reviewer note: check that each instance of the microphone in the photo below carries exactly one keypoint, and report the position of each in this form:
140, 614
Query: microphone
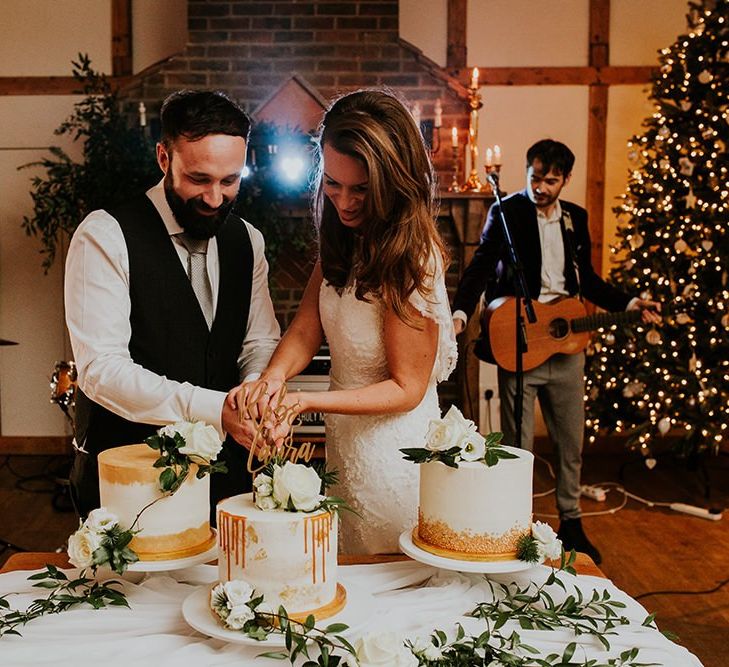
493, 178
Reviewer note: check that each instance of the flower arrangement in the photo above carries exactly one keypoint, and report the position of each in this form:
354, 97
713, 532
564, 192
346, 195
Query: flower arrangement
101, 540
541, 544
294, 487
454, 439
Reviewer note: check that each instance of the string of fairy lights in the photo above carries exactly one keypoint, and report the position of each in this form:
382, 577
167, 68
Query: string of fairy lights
672, 247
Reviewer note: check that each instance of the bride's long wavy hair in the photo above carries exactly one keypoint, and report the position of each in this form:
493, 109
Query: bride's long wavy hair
389, 256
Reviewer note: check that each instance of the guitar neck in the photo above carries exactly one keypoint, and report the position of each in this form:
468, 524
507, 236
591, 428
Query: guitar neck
593, 322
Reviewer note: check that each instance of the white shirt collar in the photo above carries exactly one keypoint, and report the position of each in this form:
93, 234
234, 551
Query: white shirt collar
157, 196
556, 214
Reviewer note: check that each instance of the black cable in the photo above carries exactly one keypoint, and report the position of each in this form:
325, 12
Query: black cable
707, 592
5, 545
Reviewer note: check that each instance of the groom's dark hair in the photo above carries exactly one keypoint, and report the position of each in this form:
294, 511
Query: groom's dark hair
194, 114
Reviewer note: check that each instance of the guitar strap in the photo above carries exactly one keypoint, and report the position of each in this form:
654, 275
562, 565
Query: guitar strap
568, 231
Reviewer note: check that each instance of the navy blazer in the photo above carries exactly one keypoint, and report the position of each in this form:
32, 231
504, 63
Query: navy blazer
490, 271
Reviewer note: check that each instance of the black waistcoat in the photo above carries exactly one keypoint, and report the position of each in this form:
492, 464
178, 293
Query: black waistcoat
169, 334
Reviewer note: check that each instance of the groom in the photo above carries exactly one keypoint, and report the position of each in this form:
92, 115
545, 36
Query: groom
167, 301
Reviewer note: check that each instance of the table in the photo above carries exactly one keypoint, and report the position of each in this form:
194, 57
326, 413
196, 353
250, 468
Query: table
408, 598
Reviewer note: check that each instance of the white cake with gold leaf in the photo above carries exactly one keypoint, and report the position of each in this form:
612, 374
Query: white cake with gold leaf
475, 512
289, 557
173, 527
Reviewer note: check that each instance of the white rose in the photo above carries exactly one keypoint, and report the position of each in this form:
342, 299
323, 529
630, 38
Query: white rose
238, 592
202, 440
384, 649
263, 484
473, 446
439, 435
266, 609
266, 503
81, 547
238, 617
460, 424
548, 544
183, 428
100, 520
298, 482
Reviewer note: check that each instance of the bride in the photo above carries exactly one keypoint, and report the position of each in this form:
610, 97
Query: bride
378, 294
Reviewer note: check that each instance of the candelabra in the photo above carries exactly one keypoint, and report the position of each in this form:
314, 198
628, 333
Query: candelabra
473, 184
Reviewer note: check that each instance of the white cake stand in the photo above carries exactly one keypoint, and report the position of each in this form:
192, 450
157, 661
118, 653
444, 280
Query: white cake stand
177, 563
196, 611
482, 567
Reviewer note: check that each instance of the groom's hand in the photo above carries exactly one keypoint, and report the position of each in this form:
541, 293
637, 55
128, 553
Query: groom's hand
242, 432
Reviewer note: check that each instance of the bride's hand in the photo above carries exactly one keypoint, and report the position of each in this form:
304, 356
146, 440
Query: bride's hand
286, 411
251, 399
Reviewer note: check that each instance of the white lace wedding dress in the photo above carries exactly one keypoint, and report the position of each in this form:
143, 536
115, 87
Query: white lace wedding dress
374, 478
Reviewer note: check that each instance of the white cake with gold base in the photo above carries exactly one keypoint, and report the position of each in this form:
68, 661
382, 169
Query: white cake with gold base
475, 512
288, 557
174, 527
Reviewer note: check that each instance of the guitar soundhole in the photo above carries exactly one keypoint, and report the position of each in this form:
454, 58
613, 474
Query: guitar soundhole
559, 328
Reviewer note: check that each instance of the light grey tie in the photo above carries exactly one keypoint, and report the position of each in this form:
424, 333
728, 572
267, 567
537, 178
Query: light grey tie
197, 272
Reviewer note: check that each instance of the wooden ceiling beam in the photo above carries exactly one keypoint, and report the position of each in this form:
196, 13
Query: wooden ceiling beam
456, 57
557, 76
121, 37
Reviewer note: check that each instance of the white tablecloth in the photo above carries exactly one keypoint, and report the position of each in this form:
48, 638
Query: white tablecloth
409, 597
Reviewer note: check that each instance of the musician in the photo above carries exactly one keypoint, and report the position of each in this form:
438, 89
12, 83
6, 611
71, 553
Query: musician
553, 242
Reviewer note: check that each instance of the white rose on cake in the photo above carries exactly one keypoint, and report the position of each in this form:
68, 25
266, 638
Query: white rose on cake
81, 547
548, 544
297, 483
101, 520
202, 440
183, 428
239, 616
387, 648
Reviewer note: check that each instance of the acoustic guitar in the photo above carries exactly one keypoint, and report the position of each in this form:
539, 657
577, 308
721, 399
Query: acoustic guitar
562, 326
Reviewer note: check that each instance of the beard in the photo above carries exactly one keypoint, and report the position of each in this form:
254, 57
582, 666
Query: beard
194, 215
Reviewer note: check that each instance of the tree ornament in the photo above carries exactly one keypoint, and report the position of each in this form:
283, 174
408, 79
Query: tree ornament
692, 363
664, 164
664, 425
707, 244
634, 158
685, 105
725, 321
650, 463
691, 199
636, 241
664, 132
653, 337
610, 338
707, 133
680, 246
705, 76
691, 401
686, 166
683, 318
689, 291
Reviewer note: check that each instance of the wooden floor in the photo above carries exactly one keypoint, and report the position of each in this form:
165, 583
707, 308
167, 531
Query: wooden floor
644, 549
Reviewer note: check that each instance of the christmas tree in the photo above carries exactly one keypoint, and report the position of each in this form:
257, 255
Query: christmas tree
672, 246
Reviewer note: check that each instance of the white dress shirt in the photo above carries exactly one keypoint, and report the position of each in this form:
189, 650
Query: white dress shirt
98, 308
550, 237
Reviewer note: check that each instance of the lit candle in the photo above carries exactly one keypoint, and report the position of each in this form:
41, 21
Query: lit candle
497, 155
438, 111
416, 114
454, 137
489, 157
474, 78
142, 115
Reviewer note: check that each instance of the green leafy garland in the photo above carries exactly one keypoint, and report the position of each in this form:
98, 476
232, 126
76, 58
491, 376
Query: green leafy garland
65, 593
532, 606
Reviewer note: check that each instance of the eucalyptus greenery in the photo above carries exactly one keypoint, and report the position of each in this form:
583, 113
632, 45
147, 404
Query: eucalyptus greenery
532, 606
451, 457
65, 593
118, 162
176, 464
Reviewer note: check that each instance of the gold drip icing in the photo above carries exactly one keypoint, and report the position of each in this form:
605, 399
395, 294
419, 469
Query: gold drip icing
319, 536
232, 538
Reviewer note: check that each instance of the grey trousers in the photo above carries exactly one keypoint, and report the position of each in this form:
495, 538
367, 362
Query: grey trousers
559, 384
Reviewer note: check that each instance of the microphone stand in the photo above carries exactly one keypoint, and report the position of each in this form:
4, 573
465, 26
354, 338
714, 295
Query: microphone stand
521, 293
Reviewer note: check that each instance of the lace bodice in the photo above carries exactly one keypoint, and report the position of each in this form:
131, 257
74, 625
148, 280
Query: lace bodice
374, 479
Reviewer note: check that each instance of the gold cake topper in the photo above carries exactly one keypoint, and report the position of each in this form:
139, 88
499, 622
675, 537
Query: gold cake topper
263, 447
